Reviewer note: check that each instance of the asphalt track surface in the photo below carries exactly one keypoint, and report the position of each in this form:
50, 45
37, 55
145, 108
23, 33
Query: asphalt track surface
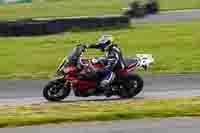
172, 125
14, 92
178, 15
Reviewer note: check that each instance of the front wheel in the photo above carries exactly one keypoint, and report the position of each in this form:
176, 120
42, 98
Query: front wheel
131, 86
56, 90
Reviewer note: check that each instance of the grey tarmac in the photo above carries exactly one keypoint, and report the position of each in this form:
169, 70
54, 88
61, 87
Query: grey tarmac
167, 16
155, 86
167, 125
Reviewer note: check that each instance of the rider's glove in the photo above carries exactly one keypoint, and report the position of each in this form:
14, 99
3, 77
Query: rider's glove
87, 46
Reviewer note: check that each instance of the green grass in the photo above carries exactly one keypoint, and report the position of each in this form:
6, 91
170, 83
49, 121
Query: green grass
42, 8
98, 111
175, 47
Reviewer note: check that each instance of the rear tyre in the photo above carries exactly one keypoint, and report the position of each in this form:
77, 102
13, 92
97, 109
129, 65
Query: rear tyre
132, 86
56, 90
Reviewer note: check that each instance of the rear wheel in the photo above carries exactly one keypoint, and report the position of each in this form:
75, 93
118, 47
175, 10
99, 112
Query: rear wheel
131, 87
56, 90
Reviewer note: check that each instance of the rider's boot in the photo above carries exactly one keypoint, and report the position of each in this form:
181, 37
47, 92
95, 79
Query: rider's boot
105, 89
108, 91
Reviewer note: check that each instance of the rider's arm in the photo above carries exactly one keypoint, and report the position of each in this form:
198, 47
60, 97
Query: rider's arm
115, 58
93, 46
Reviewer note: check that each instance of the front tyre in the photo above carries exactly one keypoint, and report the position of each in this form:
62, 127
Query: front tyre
56, 90
131, 86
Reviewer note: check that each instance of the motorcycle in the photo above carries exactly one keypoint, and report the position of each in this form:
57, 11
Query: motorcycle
137, 9
73, 74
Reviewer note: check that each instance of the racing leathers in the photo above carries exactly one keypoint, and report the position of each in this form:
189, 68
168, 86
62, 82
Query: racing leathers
115, 62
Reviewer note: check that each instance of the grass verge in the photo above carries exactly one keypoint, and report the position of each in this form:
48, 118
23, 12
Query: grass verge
175, 47
98, 111
44, 8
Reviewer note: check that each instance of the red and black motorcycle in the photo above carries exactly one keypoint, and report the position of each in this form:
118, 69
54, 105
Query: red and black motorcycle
74, 74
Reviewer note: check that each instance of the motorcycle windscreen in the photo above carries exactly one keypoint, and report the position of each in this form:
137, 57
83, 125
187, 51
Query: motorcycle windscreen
74, 56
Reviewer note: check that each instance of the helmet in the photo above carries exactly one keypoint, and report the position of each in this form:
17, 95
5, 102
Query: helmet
104, 41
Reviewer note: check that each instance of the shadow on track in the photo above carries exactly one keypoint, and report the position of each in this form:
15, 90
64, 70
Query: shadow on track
98, 100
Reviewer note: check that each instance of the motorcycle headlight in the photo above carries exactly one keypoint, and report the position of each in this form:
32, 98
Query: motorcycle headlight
66, 70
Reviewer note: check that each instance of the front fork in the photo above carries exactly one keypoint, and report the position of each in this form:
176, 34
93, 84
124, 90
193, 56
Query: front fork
62, 79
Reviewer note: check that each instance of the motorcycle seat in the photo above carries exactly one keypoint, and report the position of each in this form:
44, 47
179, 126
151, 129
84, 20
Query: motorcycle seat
130, 61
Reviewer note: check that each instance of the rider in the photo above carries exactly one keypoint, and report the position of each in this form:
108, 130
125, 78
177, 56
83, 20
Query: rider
115, 61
